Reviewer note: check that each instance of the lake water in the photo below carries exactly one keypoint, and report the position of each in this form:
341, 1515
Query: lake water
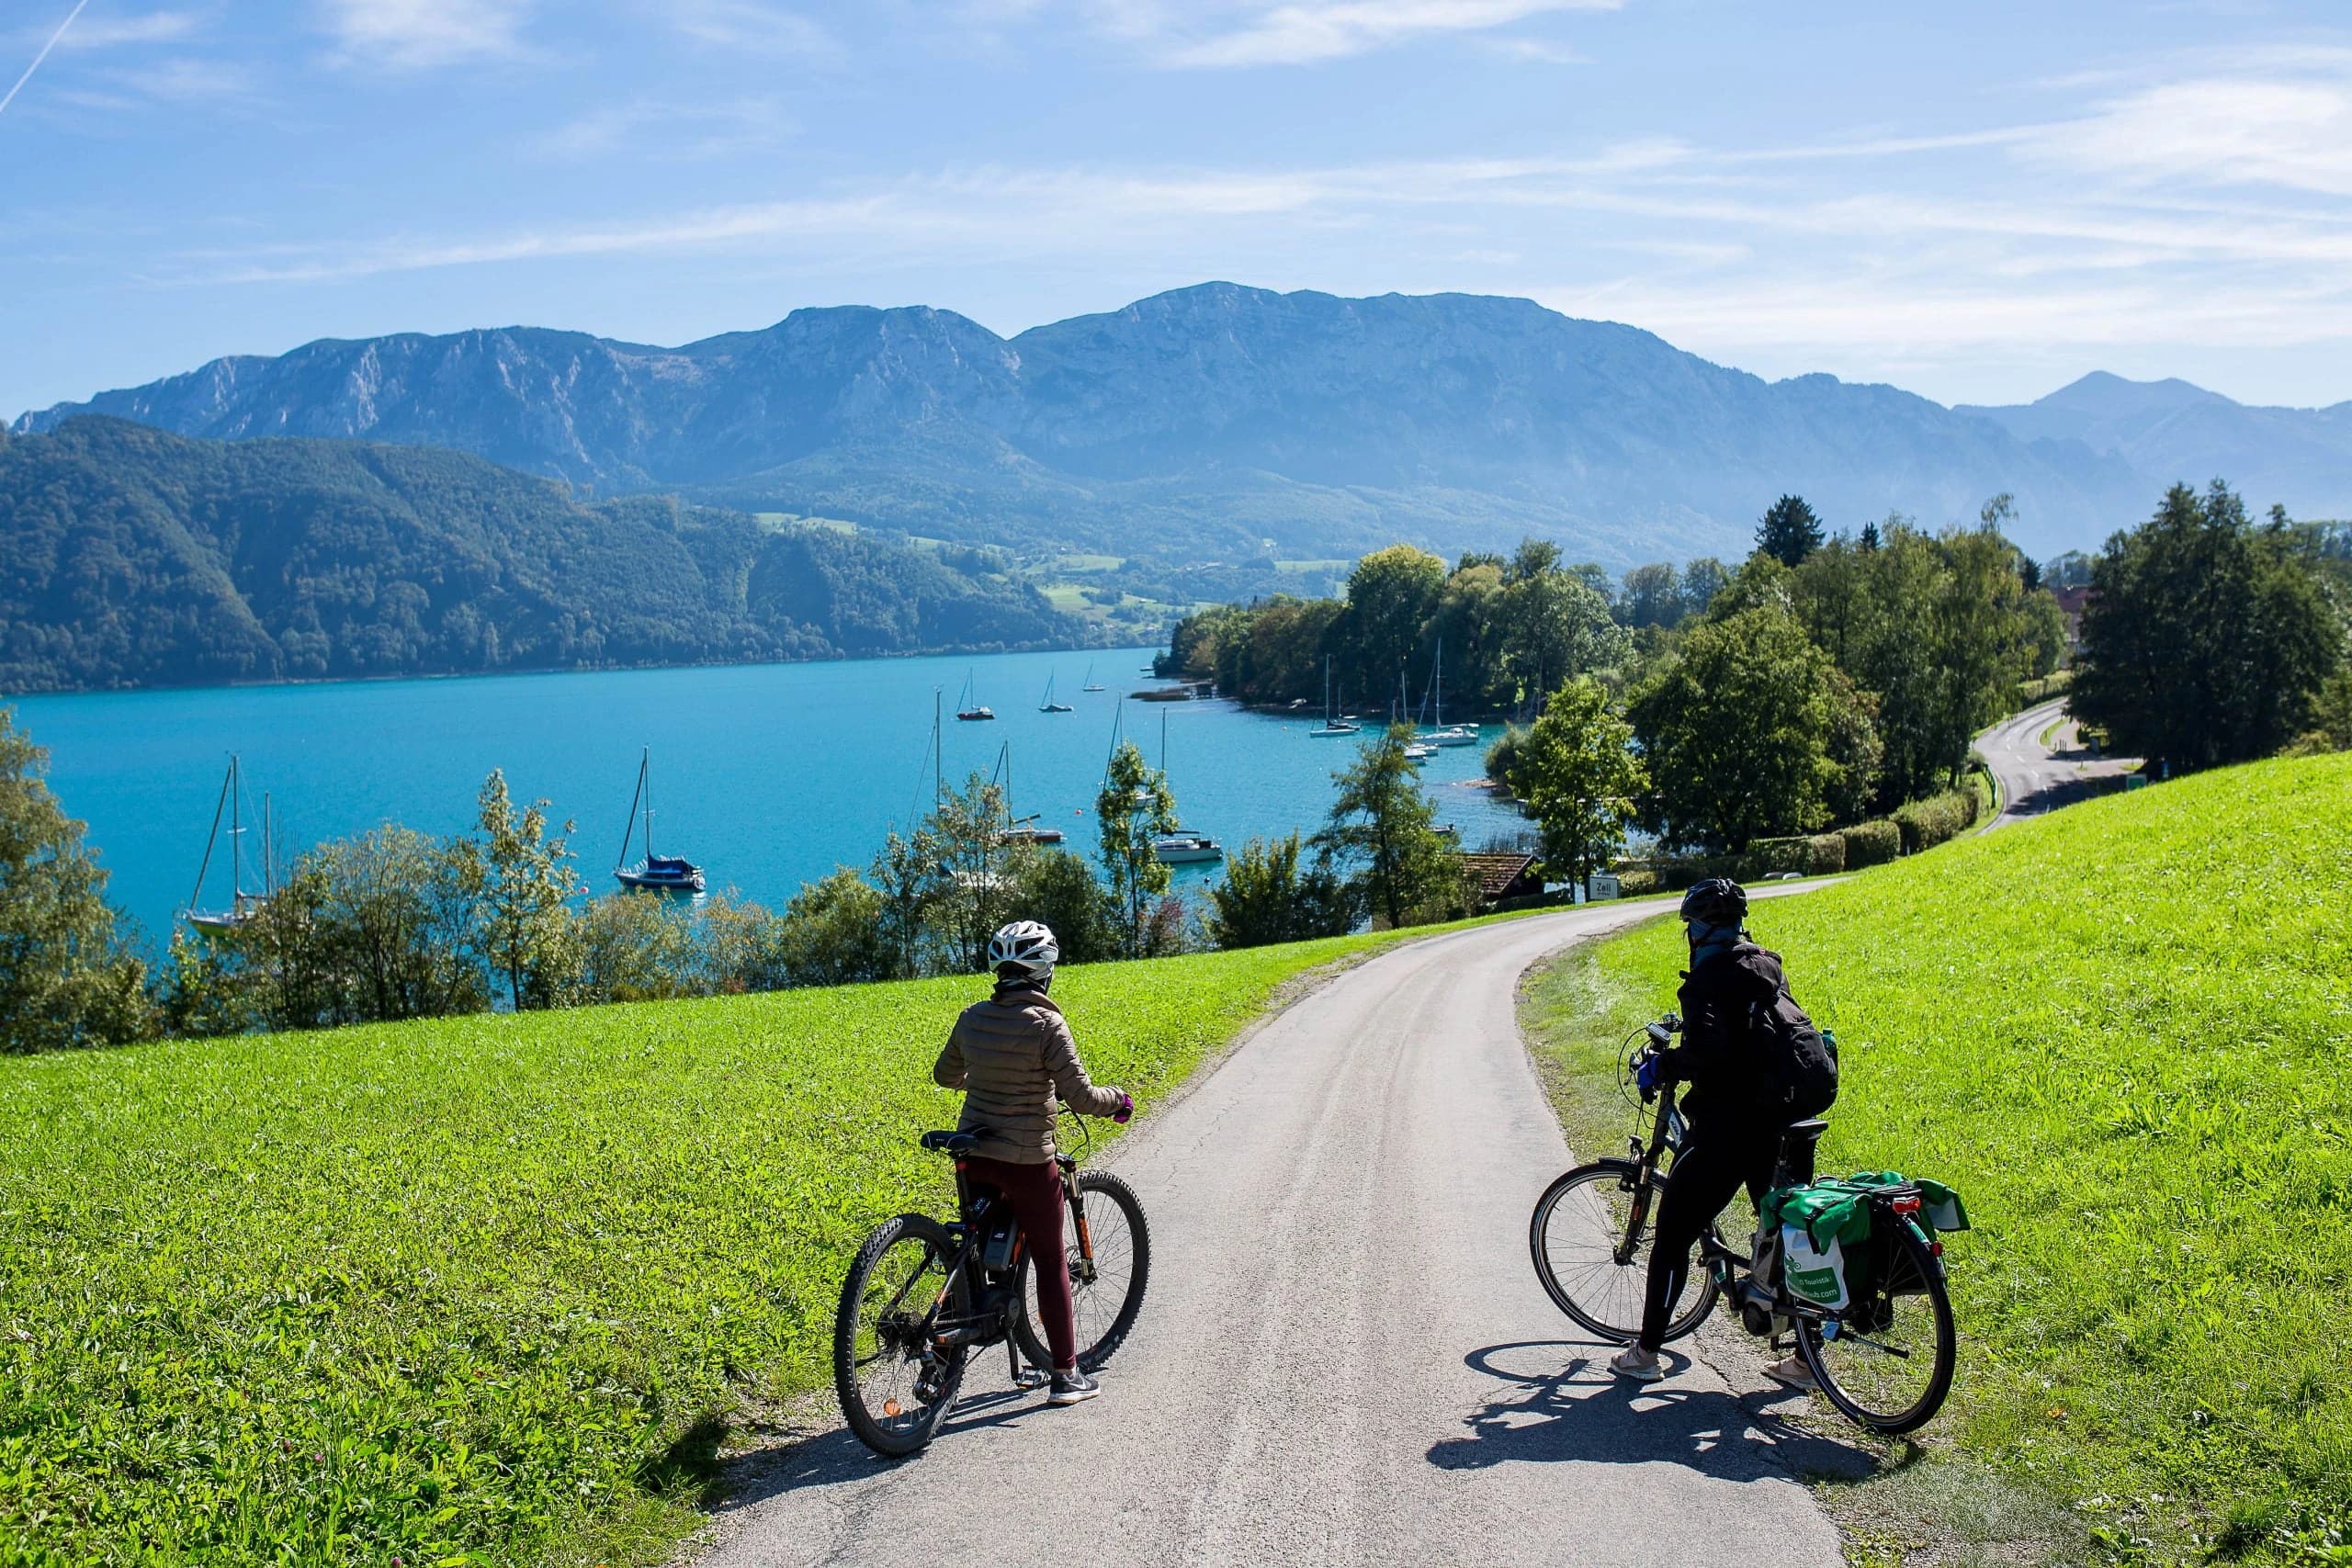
768, 775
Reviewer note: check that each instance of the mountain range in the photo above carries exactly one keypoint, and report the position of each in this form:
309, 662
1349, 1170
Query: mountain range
1226, 422
131, 557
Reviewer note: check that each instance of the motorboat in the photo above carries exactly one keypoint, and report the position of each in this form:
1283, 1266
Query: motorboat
652, 873
1183, 847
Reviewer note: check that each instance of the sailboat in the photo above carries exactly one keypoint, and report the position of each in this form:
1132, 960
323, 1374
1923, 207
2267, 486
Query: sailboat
1445, 734
1091, 683
1331, 726
966, 707
243, 904
1047, 703
1181, 846
654, 873
1022, 829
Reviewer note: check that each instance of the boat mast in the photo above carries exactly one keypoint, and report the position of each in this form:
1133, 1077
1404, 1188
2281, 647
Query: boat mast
938, 766
645, 766
628, 825
236, 834
210, 840
269, 873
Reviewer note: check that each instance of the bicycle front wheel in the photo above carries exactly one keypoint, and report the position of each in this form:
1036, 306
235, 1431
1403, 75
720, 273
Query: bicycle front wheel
1579, 1225
1886, 1361
1106, 1291
896, 1385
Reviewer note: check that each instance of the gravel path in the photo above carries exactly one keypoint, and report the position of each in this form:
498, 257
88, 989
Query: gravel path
1345, 1357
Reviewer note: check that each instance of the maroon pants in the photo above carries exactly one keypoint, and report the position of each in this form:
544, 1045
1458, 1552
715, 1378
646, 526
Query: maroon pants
1035, 1193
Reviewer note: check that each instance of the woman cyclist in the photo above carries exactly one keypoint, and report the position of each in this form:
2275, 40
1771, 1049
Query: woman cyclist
1011, 1054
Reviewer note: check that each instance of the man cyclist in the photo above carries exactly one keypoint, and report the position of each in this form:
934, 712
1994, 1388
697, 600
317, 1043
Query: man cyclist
1011, 1054
1734, 1109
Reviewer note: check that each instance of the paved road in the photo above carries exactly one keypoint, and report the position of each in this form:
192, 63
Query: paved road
1345, 1357
2037, 778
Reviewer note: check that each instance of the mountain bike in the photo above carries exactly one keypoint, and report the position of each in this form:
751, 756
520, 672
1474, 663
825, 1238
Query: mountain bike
1885, 1360
923, 1294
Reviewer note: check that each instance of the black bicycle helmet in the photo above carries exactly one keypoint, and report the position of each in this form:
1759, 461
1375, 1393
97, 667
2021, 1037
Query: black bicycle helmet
1718, 901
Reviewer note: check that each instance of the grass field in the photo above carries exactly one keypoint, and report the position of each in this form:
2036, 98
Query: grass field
478, 1290
2124, 1031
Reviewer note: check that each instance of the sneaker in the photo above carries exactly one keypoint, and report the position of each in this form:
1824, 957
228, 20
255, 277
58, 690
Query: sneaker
1636, 1363
1791, 1371
1073, 1387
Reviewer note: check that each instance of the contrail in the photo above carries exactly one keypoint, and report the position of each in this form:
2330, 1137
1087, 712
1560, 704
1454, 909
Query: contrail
42, 55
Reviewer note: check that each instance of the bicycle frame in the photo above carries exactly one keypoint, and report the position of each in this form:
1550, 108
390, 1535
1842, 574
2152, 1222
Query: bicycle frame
975, 1204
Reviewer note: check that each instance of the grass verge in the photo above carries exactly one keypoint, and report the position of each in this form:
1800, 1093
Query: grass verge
2122, 1031
482, 1290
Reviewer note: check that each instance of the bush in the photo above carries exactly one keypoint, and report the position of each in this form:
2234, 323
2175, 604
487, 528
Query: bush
1871, 843
1265, 897
1924, 824
1635, 880
2031, 692
1821, 854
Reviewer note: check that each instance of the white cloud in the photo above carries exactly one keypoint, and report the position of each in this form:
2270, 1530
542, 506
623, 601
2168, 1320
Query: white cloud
105, 31
748, 27
1305, 30
1539, 51
416, 34
2289, 131
674, 130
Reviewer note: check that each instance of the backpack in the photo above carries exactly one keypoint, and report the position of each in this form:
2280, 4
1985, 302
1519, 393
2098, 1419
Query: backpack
1803, 1060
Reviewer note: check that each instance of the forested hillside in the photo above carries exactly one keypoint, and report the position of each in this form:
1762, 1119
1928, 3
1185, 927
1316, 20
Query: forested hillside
130, 556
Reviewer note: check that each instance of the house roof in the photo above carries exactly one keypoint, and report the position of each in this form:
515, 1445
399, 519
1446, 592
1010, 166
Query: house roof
1496, 872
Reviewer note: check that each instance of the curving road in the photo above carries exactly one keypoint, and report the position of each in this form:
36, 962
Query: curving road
1345, 1357
2036, 778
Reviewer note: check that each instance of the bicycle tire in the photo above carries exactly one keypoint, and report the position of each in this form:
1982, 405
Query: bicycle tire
1607, 1297
892, 1419
1844, 1366
1111, 1321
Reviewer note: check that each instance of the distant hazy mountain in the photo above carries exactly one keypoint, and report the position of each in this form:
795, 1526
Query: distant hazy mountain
1192, 424
130, 556
2170, 430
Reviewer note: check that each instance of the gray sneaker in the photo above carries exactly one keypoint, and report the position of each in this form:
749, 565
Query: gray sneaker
1073, 1387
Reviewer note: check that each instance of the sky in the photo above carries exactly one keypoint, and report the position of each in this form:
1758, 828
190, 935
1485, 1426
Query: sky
1978, 202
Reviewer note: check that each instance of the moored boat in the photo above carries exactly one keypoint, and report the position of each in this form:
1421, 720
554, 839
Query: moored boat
653, 874
1184, 847
232, 919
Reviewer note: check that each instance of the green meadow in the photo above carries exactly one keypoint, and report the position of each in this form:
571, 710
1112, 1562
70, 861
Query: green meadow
2124, 1032
483, 1290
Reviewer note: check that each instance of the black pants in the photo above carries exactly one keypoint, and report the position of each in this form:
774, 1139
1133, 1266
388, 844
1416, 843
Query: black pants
1709, 1172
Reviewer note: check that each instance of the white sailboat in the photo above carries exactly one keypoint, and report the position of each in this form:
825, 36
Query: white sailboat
1091, 683
967, 708
1181, 846
1331, 725
1445, 734
243, 904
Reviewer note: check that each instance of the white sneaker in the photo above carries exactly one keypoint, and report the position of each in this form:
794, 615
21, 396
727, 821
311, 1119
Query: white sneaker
1791, 1371
1636, 1363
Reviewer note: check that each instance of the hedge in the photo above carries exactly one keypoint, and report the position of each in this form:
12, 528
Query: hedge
1926, 823
1871, 843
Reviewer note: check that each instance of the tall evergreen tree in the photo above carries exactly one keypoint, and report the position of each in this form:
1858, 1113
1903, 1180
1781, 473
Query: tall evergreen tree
2205, 641
1789, 532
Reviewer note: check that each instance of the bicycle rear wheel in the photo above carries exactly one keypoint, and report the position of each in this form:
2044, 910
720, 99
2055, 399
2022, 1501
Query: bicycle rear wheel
1107, 1294
1886, 1361
896, 1386
1579, 1224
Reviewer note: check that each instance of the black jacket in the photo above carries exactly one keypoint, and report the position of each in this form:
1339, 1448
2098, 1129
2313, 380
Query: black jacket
1733, 1089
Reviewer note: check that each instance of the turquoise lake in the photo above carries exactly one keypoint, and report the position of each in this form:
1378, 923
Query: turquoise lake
769, 775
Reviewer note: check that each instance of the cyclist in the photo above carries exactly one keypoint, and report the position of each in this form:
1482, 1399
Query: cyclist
1011, 1055
1734, 1108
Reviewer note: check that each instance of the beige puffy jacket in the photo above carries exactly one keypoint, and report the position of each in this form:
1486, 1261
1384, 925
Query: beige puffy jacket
1011, 1055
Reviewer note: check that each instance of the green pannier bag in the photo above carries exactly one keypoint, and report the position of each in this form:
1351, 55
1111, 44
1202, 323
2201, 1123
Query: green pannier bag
1830, 1255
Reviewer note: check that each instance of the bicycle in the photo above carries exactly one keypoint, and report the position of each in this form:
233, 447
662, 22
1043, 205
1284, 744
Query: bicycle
1885, 1360
923, 1295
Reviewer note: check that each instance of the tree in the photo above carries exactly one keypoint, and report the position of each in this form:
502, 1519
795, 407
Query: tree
1382, 826
1789, 532
1578, 777
385, 926
634, 949
1702, 580
835, 932
1133, 809
977, 870
2205, 641
1058, 888
1265, 897
1652, 596
1558, 627
1736, 733
1870, 536
1392, 598
67, 977
526, 884
905, 874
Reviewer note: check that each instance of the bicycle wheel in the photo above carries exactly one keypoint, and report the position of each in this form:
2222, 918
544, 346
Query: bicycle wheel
1578, 1225
1886, 1361
894, 1385
1104, 1296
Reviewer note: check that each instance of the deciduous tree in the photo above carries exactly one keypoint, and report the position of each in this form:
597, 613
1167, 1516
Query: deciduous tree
1266, 897
525, 881
1133, 809
1578, 777
1382, 828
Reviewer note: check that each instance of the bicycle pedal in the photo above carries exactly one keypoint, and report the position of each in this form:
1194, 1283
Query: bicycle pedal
1031, 1377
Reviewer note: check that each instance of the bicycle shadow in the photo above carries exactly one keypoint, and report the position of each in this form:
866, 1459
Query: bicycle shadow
1563, 1405
833, 1456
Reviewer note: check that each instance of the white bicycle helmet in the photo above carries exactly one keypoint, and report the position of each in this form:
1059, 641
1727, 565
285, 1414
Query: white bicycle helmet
1024, 948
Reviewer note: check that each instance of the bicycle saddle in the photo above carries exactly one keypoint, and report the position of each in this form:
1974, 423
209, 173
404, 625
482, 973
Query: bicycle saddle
1804, 1132
954, 1140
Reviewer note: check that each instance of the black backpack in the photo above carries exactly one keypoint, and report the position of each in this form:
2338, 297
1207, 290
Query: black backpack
1803, 1060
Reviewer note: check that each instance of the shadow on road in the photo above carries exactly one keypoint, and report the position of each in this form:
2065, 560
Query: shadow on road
834, 1456
1562, 1402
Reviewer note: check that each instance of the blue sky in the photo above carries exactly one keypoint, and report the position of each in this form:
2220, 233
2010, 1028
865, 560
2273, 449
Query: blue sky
1978, 201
